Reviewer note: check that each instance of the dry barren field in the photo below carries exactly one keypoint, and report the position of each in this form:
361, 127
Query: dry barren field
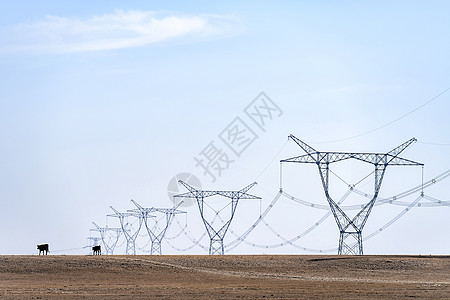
224, 277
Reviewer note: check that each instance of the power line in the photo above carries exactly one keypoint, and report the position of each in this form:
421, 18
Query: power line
435, 144
268, 165
389, 123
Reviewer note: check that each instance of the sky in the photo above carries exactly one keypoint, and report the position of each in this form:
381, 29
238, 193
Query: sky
107, 101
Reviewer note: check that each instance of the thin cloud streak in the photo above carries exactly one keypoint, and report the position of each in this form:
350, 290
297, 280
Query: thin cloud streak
118, 30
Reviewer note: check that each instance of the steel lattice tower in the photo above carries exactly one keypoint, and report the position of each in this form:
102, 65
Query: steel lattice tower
156, 237
216, 235
109, 247
351, 228
130, 236
94, 240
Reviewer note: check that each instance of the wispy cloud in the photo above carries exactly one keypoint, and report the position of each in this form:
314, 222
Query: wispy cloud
121, 29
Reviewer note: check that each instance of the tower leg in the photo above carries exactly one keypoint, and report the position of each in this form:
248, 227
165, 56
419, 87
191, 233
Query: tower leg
216, 247
350, 243
131, 249
156, 248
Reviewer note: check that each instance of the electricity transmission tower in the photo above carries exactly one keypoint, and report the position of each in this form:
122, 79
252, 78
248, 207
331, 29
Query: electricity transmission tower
130, 236
351, 228
216, 235
155, 236
109, 242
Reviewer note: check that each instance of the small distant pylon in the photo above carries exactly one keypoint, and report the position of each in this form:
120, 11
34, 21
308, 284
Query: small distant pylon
129, 235
216, 235
109, 244
155, 236
350, 237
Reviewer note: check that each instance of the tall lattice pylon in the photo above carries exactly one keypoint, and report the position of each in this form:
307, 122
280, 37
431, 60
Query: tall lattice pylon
109, 242
216, 235
350, 238
155, 232
129, 234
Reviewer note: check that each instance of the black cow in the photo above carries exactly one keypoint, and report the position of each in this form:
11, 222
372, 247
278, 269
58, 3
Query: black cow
97, 250
43, 248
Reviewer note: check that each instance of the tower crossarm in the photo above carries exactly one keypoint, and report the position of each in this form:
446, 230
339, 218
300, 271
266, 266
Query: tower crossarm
397, 150
186, 195
305, 159
143, 210
169, 211
307, 148
371, 158
389, 158
248, 187
137, 205
113, 229
174, 208
104, 229
141, 213
118, 214
241, 194
398, 161
237, 195
194, 193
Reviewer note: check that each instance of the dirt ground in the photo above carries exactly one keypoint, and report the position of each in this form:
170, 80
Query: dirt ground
224, 277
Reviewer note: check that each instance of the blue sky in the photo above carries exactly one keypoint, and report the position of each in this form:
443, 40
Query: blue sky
104, 102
